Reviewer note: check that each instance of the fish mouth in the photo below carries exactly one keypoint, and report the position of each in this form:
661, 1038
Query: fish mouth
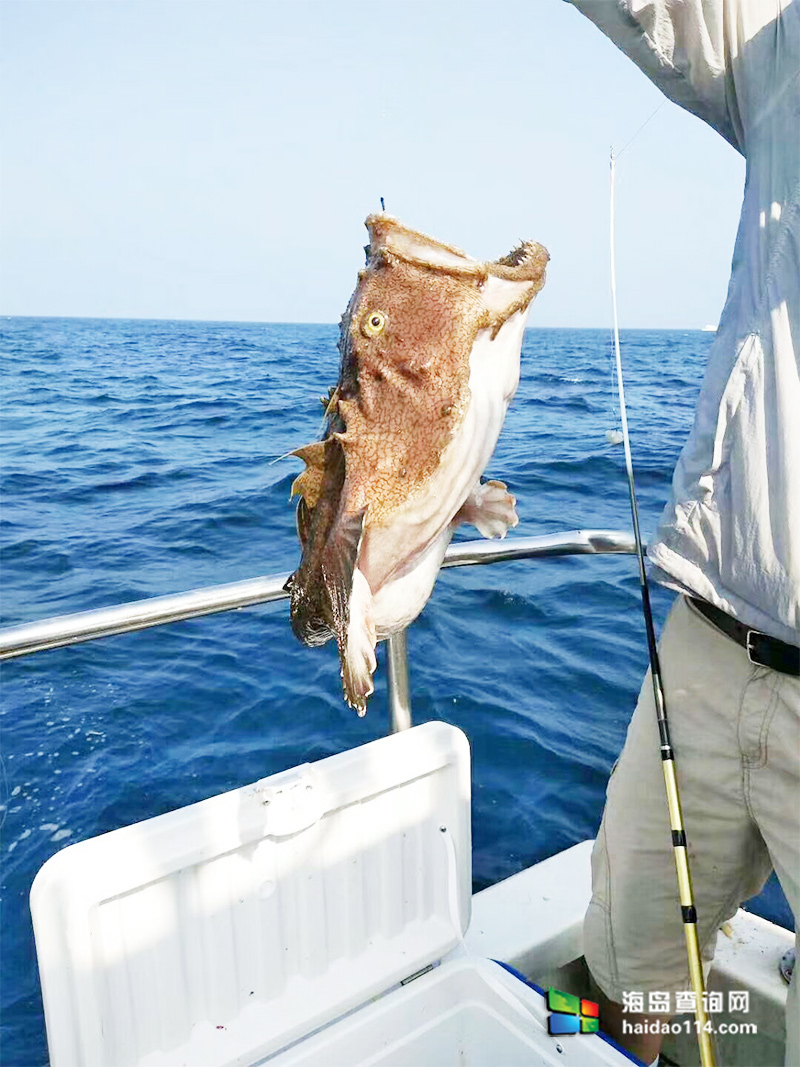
390, 238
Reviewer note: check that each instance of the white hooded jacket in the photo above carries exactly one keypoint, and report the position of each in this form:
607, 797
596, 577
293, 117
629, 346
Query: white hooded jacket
731, 531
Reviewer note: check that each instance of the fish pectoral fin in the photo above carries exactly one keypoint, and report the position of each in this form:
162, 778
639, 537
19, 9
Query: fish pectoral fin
358, 654
490, 508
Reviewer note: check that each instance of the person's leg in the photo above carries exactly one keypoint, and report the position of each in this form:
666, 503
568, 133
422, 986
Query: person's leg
634, 939
771, 746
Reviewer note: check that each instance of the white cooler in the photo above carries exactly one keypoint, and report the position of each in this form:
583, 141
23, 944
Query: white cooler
316, 917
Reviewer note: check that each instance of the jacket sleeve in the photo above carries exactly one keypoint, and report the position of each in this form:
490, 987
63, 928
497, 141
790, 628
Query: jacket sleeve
688, 48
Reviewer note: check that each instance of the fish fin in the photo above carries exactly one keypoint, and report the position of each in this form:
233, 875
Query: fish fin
351, 608
490, 508
307, 453
358, 654
307, 486
321, 599
338, 564
330, 402
280, 459
312, 455
303, 518
309, 483
320, 587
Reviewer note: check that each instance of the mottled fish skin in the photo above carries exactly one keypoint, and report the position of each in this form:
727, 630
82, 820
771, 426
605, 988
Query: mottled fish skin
429, 347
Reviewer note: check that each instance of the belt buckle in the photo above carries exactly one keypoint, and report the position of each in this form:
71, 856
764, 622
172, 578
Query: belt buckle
751, 646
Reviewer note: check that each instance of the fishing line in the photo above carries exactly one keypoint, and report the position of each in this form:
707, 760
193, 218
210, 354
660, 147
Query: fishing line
628, 143
688, 910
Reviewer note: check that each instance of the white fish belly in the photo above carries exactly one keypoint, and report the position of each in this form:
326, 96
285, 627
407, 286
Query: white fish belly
399, 600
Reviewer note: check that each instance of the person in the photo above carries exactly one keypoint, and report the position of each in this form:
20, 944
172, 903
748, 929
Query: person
728, 542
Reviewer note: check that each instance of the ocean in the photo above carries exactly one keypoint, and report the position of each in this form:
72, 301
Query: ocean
143, 457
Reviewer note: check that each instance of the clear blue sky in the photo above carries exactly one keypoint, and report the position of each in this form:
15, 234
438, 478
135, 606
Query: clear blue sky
216, 158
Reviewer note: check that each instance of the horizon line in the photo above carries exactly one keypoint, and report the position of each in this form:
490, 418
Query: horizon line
285, 322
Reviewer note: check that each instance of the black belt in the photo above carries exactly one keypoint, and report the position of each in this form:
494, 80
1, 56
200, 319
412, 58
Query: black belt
763, 650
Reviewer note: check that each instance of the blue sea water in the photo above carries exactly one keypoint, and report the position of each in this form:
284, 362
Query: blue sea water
139, 459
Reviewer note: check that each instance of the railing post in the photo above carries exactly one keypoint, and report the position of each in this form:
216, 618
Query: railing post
399, 694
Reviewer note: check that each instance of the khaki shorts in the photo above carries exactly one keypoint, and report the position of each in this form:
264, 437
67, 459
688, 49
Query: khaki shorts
736, 734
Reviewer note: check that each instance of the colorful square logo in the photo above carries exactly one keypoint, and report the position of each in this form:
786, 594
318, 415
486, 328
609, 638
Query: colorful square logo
571, 1015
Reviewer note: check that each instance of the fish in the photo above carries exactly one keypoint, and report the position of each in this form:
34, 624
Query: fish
430, 359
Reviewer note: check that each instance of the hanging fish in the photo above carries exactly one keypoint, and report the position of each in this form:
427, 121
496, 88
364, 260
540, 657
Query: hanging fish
430, 351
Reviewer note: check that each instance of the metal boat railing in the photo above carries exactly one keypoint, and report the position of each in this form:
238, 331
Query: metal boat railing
63, 630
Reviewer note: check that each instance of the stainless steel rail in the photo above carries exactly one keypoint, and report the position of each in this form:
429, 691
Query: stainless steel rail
571, 543
141, 614
397, 682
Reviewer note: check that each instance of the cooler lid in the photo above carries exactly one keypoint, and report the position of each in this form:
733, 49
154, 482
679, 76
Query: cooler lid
226, 930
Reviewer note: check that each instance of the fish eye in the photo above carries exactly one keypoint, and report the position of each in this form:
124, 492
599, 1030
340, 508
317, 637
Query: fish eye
374, 323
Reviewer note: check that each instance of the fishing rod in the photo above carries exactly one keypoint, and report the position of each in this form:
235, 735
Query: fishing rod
679, 846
